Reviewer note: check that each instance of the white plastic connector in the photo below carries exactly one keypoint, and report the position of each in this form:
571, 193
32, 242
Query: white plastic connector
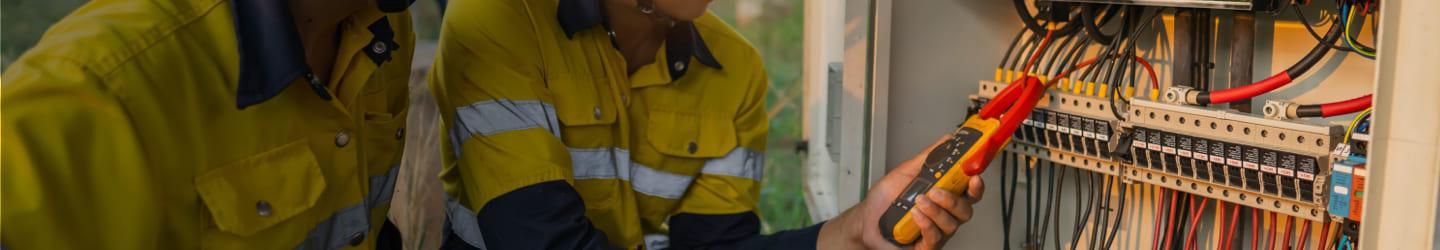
1180, 95
1280, 110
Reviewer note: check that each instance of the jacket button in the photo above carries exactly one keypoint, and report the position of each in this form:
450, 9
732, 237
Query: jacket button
400, 133
379, 47
692, 147
357, 238
342, 139
679, 66
597, 113
262, 208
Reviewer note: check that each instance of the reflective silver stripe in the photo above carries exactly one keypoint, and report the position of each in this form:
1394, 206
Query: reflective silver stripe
654, 182
382, 187
335, 232
740, 162
462, 222
614, 163
501, 115
600, 163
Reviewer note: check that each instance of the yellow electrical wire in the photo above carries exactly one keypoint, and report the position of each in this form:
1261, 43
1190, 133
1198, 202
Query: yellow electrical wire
1353, 122
1347, 24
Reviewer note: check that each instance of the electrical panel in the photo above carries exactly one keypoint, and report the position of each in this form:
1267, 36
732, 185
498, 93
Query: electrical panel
1246, 159
1239, 158
1266, 5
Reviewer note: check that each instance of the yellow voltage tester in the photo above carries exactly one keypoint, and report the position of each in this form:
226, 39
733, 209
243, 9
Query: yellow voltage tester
973, 146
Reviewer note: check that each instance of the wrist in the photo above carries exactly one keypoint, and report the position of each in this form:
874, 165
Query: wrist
843, 231
853, 225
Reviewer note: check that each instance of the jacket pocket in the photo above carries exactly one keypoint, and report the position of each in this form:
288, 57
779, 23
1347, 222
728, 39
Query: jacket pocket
256, 193
690, 134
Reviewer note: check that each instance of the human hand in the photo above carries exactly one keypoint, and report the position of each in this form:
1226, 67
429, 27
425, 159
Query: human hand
938, 213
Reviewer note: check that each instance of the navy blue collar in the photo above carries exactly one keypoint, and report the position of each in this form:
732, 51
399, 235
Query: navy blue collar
681, 42
272, 57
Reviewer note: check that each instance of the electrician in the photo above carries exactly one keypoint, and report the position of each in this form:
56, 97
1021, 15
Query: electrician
188, 124
581, 124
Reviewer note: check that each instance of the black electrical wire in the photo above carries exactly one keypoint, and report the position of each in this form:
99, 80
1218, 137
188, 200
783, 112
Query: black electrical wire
1055, 54
1087, 17
1029, 202
1315, 54
1072, 56
1129, 53
1030, 23
1355, 41
1025, 52
1007, 202
1119, 216
1011, 49
1057, 201
1107, 62
1049, 204
1102, 219
1083, 213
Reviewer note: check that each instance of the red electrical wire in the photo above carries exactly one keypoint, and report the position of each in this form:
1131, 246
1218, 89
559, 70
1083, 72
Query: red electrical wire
1304, 241
1345, 107
1154, 82
1245, 92
1159, 210
1254, 228
1194, 221
1230, 233
1289, 228
1006, 95
1270, 233
1220, 211
1036, 56
1324, 236
1275, 81
1170, 219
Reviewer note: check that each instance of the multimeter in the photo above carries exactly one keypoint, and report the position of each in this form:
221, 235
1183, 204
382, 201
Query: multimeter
951, 164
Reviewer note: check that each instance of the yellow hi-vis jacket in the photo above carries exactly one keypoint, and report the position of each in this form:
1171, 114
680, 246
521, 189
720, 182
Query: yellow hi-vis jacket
529, 98
195, 124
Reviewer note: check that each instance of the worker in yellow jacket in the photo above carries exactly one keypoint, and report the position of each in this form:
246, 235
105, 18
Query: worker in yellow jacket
207, 124
583, 124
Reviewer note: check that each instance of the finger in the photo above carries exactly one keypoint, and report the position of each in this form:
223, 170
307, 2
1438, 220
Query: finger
976, 189
939, 216
929, 235
959, 208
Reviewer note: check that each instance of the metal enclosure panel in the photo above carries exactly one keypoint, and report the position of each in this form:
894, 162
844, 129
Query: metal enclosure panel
1407, 138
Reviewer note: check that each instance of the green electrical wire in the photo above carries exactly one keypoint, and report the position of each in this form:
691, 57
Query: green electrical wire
1348, 40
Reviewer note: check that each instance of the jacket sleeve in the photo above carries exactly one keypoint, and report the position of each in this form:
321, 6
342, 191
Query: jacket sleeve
735, 231
72, 168
502, 136
547, 215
